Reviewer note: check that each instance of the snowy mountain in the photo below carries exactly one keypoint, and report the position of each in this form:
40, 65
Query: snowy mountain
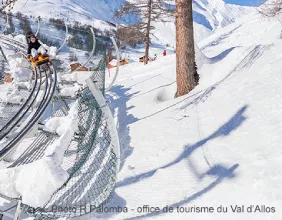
215, 14
81, 10
209, 15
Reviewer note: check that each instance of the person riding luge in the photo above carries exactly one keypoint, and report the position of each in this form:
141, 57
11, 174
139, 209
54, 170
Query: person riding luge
37, 54
34, 46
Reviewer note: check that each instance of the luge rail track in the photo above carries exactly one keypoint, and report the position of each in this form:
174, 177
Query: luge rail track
92, 158
21, 123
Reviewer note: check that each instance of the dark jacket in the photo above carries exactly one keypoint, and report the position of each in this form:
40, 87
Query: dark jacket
34, 45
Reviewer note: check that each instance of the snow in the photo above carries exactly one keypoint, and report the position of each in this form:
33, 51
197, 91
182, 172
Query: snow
217, 146
7, 180
82, 76
23, 85
19, 69
69, 77
69, 90
260, 31
216, 14
42, 178
61, 124
21, 38
15, 97
21, 75
83, 11
18, 63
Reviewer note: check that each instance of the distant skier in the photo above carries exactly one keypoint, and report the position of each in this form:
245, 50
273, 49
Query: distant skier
34, 46
164, 53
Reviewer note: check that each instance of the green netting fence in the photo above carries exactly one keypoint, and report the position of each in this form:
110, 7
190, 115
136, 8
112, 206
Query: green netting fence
91, 159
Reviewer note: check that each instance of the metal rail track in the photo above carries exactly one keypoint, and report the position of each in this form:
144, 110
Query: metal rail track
18, 126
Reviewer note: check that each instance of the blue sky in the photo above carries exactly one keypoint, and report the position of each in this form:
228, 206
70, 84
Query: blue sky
246, 2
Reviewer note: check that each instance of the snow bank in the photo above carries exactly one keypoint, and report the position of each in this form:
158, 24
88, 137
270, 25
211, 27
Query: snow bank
21, 75
19, 69
7, 180
69, 77
200, 58
18, 63
15, 97
69, 91
37, 181
61, 124
26, 85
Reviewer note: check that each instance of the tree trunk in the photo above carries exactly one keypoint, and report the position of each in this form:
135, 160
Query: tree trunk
148, 32
185, 53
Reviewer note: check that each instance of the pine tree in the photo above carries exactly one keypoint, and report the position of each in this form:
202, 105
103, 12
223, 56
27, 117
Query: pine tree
148, 11
186, 71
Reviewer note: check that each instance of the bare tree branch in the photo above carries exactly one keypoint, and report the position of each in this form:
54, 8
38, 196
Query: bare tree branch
271, 9
148, 11
7, 5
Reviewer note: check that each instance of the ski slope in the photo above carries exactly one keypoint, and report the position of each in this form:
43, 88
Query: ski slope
217, 146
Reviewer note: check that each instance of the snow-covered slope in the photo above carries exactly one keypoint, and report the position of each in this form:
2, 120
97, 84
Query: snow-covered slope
215, 14
78, 10
251, 30
208, 14
218, 146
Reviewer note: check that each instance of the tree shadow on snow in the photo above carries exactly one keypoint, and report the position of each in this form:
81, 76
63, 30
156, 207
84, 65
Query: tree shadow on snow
116, 203
233, 124
118, 103
225, 173
217, 170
